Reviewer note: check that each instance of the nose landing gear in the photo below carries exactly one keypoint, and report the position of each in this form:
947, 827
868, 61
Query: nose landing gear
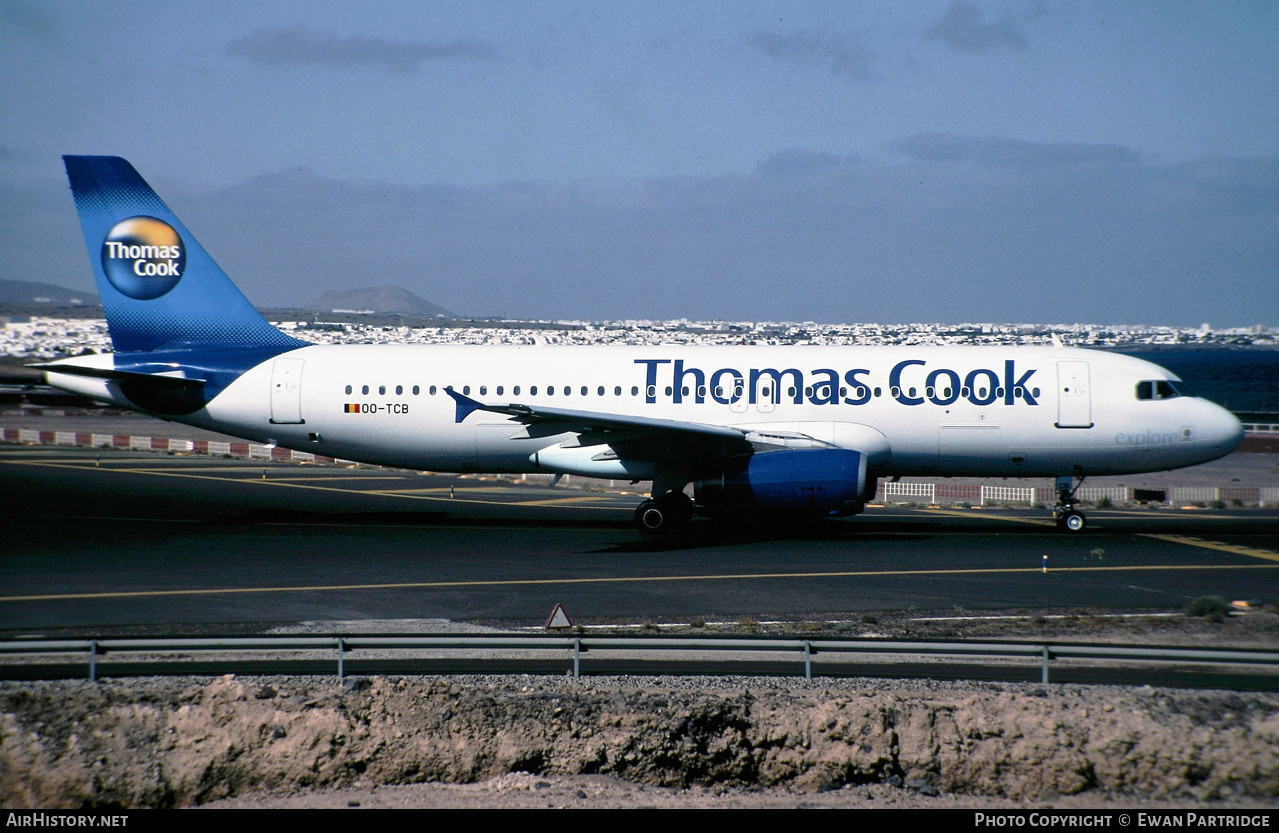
1069, 518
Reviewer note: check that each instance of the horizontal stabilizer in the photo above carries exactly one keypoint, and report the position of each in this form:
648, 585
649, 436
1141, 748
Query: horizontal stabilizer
159, 380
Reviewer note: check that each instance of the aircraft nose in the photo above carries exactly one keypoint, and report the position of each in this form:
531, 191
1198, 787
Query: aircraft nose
1221, 430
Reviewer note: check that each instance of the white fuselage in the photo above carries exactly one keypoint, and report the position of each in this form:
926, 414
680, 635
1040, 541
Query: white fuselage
936, 411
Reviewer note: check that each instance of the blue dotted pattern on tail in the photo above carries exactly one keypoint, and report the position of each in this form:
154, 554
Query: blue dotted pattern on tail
203, 307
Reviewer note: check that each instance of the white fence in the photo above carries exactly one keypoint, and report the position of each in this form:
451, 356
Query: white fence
1007, 494
1115, 494
911, 492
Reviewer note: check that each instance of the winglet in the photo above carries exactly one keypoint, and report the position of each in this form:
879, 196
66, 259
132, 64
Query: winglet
465, 404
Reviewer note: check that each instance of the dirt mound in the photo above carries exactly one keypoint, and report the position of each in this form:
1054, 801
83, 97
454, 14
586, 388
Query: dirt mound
183, 742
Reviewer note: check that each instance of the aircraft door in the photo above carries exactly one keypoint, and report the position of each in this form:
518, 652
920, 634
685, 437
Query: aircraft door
1074, 395
286, 391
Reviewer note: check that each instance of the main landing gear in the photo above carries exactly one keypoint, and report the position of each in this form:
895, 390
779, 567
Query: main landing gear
1069, 519
660, 515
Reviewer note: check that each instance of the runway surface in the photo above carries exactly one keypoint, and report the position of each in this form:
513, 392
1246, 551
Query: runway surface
113, 538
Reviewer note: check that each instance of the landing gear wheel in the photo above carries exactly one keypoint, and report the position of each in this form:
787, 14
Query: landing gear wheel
1069, 519
653, 518
1072, 521
658, 516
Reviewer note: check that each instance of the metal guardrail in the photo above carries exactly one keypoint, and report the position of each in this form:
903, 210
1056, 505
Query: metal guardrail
93, 649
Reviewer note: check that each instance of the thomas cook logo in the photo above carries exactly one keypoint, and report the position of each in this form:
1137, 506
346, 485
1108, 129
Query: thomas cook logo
143, 257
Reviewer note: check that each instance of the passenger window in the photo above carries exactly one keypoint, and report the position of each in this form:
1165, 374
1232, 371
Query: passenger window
399, 390
365, 390
348, 390
567, 390
533, 391
634, 390
484, 389
432, 390
550, 390
600, 392
584, 390
466, 390
416, 390
516, 390
499, 390
617, 391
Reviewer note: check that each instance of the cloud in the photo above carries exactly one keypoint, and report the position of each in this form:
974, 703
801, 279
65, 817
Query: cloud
964, 29
844, 55
798, 162
300, 45
867, 240
992, 150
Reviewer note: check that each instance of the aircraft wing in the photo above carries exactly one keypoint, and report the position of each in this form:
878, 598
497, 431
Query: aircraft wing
639, 436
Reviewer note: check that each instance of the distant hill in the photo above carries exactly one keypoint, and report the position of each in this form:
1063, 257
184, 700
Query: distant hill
28, 292
378, 299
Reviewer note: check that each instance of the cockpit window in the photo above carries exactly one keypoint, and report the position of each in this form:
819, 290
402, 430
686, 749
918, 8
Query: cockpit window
1160, 389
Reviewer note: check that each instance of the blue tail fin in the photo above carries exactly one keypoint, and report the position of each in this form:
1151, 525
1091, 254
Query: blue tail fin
158, 285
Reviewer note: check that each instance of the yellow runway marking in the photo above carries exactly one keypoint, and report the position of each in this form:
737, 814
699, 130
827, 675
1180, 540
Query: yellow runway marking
284, 484
961, 513
556, 501
308, 477
1217, 545
440, 490
425, 585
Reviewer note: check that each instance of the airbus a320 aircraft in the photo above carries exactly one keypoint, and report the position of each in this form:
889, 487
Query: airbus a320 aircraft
754, 429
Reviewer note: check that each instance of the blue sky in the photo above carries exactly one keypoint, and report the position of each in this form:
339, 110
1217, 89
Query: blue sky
830, 161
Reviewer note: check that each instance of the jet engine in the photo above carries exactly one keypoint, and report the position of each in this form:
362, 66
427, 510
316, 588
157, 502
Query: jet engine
825, 481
